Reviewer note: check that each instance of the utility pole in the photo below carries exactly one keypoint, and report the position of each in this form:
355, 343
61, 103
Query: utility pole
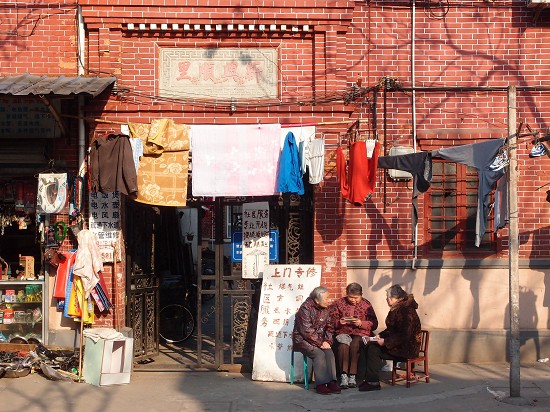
513, 247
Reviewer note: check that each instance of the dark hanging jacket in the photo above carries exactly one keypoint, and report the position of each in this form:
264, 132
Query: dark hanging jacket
312, 327
112, 165
402, 336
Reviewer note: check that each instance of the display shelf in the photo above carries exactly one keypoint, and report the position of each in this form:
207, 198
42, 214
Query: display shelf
22, 306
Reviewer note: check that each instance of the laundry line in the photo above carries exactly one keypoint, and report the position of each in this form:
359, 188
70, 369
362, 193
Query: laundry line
288, 125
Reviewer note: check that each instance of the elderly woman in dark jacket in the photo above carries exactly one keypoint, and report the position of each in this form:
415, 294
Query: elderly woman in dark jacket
400, 340
312, 335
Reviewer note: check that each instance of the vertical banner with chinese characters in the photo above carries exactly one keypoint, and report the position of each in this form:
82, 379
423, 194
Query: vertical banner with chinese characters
105, 222
255, 239
284, 289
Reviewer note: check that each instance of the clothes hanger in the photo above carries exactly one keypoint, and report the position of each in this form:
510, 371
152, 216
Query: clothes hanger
49, 170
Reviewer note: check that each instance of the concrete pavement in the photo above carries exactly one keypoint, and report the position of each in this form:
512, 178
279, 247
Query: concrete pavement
453, 387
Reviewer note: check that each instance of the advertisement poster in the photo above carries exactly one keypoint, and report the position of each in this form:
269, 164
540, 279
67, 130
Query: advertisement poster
255, 244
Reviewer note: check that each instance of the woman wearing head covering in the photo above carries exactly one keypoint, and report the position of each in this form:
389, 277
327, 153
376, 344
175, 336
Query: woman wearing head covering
312, 336
400, 340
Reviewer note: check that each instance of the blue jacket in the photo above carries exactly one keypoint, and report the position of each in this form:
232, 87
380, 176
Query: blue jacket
290, 175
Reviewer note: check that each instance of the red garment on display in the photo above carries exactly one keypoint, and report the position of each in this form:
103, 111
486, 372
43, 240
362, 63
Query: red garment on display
361, 172
63, 271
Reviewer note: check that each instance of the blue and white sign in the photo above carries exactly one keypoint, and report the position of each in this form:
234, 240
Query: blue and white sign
237, 246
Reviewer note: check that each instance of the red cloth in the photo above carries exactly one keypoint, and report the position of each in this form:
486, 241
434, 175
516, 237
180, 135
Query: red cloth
361, 172
341, 172
63, 271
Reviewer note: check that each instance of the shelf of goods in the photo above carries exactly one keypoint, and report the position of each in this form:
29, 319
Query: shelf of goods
21, 312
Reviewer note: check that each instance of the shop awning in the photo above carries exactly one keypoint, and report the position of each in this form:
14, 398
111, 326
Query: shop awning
28, 84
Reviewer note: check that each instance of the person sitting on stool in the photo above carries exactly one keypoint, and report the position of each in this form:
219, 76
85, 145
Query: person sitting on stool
353, 317
312, 336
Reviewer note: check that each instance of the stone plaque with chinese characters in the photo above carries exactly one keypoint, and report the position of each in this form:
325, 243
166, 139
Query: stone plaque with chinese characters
218, 73
284, 289
105, 222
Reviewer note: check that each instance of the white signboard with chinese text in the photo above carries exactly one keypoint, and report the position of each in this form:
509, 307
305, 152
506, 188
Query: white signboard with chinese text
255, 252
284, 289
224, 72
105, 222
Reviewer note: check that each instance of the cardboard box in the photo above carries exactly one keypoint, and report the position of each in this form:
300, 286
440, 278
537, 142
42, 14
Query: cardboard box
108, 362
28, 265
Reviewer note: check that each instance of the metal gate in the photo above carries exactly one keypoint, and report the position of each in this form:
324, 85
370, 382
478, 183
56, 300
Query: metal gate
227, 310
142, 283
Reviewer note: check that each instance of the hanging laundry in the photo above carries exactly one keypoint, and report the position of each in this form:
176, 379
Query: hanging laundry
290, 176
163, 168
361, 175
88, 262
316, 161
342, 172
112, 166
137, 151
481, 156
419, 165
501, 210
235, 160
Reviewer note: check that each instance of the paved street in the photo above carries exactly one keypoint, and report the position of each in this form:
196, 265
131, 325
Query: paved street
454, 387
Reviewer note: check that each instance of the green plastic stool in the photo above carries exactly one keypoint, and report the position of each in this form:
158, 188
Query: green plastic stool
306, 382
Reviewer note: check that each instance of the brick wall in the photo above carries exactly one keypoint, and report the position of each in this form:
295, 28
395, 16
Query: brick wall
475, 44
38, 38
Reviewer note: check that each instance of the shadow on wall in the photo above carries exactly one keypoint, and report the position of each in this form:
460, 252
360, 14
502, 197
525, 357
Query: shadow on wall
529, 319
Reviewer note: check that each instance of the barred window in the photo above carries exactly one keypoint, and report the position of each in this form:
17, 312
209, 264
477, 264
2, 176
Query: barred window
452, 208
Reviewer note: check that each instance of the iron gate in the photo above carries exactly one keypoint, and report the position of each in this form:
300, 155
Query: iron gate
141, 281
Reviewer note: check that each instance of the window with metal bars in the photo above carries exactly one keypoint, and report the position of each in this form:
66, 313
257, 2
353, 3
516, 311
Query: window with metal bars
452, 208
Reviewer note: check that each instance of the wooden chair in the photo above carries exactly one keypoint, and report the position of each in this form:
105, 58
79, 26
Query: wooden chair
306, 380
409, 365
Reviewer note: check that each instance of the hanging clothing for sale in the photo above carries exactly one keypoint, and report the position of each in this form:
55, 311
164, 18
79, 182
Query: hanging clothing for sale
235, 160
112, 165
315, 160
163, 167
62, 275
290, 175
419, 165
88, 262
361, 176
342, 172
481, 156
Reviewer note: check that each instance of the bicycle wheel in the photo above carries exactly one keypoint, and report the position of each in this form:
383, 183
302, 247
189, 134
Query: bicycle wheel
176, 323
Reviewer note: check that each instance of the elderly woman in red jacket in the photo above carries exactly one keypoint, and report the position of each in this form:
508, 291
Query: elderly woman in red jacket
400, 340
312, 335
353, 317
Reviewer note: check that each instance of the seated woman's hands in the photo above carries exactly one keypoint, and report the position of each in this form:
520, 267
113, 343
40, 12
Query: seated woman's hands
325, 345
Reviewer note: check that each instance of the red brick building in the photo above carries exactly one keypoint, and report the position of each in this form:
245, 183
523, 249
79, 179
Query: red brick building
424, 76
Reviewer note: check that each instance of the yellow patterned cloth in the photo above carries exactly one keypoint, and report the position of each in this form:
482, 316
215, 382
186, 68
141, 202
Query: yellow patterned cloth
163, 168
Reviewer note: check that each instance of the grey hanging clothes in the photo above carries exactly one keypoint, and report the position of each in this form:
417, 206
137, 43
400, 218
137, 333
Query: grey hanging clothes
419, 165
501, 210
480, 156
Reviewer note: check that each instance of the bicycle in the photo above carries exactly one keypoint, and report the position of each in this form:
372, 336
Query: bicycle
176, 321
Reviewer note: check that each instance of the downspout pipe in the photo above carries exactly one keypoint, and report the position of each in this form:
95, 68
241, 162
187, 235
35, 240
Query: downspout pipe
81, 124
413, 108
